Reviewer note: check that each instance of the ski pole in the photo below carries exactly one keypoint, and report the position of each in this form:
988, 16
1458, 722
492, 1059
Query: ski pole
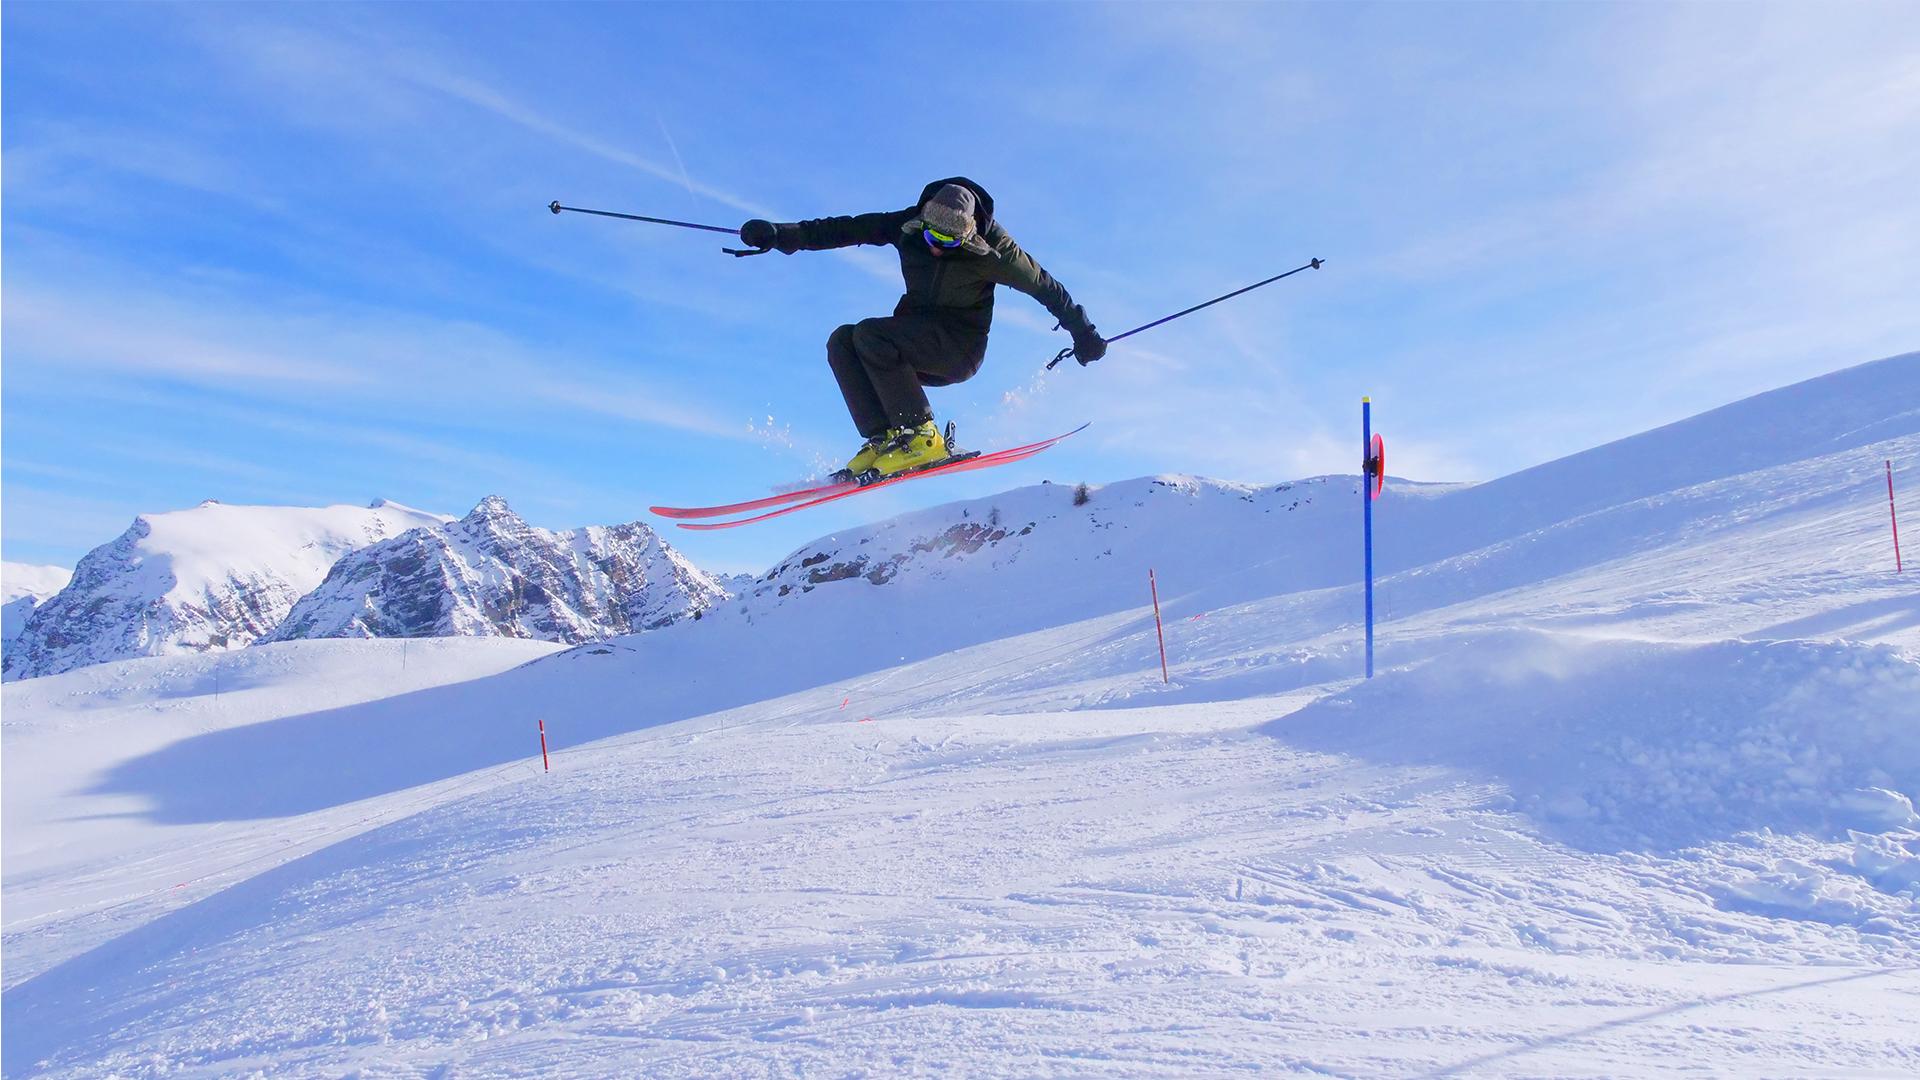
735, 252
1311, 265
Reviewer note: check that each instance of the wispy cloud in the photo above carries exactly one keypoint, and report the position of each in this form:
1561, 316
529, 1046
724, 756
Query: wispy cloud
1729, 211
430, 72
57, 164
288, 348
147, 336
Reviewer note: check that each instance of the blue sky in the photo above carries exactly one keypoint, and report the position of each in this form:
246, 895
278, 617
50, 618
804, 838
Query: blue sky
299, 254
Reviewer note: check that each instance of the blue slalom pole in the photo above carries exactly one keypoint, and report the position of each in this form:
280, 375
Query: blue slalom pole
1366, 501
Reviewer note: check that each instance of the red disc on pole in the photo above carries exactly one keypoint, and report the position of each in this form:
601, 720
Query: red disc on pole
1378, 466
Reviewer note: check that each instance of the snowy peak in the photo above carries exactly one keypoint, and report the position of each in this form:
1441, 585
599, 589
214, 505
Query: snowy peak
492, 507
212, 577
490, 574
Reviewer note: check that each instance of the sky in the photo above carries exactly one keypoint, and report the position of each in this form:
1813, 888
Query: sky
301, 254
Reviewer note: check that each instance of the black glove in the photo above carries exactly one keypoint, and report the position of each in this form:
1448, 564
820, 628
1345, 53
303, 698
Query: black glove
784, 238
759, 233
1088, 345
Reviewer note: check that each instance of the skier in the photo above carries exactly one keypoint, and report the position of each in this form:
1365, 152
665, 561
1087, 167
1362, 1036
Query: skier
952, 254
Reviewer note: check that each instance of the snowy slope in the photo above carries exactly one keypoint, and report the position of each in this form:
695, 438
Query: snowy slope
1632, 795
490, 574
1031, 557
213, 577
1837, 414
24, 587
1148, 890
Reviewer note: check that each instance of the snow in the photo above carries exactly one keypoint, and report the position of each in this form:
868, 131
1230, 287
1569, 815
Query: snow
1633, 794
204, 547
1611, 744
26, 579
24, 587
71, 844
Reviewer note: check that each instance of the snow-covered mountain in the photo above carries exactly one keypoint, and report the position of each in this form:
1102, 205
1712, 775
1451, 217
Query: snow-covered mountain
213, 577
24, 587
490, 574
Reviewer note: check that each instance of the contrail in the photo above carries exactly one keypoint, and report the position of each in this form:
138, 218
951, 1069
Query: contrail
685, 178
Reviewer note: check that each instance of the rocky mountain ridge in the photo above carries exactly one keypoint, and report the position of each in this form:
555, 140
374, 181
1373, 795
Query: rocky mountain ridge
490, 574
212, 577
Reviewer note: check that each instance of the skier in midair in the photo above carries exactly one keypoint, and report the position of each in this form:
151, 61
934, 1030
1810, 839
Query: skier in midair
952, 254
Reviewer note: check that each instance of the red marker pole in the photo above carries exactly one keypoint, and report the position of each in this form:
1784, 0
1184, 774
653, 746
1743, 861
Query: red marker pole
1895, 517
1157, 631
545, 765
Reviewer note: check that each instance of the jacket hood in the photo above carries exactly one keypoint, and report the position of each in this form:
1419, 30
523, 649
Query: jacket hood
982, 205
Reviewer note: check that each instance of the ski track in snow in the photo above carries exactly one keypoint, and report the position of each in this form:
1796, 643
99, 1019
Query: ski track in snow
1632, 796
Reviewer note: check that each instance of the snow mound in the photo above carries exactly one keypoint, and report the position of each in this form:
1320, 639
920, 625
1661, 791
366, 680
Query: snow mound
1612, 744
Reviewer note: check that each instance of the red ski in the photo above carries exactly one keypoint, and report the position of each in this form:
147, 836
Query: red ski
801, 495
801, 500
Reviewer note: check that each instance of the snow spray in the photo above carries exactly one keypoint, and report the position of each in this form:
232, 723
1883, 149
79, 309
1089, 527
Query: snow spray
1154, 588
545, 765
1895, 518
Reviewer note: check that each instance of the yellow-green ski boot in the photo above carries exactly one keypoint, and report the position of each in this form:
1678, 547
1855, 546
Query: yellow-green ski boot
863, 460
909, 449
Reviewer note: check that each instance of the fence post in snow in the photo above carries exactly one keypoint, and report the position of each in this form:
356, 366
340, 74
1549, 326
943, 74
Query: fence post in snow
1894, 516
1154, 588
545, 766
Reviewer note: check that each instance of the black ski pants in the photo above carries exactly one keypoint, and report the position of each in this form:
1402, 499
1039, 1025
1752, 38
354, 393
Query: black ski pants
884, 364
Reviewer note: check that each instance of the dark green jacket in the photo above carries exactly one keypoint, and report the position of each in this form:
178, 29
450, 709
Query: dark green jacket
957, 284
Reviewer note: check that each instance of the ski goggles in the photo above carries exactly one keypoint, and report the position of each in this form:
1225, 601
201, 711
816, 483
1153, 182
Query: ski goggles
940, 239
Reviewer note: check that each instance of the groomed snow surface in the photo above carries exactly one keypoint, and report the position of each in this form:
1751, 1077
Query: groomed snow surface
1633, 795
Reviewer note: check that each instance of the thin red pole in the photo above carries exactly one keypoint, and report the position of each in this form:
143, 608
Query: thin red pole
1892, 514
545, 766
1157, 631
